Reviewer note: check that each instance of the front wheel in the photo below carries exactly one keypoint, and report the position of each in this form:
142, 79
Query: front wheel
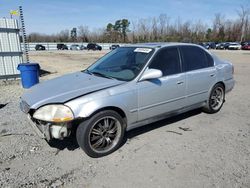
101, 134
216, 99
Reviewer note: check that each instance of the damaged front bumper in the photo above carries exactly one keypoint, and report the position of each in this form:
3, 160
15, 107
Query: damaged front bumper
49, 131
46, 130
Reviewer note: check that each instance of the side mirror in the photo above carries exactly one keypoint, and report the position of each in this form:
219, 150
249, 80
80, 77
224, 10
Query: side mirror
151, 74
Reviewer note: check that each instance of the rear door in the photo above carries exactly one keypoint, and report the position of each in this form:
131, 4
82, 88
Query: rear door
166, 94
200, 73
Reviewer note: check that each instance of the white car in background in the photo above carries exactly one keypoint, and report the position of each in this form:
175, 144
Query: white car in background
234, 46
74, 47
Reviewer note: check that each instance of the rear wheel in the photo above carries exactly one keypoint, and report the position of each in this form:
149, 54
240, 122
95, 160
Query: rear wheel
216, 99
101, 134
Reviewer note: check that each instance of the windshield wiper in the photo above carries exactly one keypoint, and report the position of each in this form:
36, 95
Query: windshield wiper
88, 71
101, 74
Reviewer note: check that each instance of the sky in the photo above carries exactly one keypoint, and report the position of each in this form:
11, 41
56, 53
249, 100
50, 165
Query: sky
52, 16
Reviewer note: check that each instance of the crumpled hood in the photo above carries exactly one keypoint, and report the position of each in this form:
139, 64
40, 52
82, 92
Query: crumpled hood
65, 88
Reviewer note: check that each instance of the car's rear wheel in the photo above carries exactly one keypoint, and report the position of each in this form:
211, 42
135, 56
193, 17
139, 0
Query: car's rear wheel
216, 99
101, 134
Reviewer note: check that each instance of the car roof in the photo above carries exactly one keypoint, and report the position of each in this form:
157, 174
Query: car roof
160, 44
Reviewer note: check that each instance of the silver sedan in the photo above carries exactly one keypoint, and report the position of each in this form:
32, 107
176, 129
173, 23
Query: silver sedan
129, 87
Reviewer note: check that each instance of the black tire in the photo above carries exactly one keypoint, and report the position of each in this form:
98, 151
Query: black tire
214, 104
101, 134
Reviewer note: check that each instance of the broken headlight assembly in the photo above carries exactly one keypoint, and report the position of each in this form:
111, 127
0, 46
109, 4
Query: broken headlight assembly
56, 113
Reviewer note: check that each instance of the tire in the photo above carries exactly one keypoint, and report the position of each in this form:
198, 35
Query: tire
216, 99
101, 134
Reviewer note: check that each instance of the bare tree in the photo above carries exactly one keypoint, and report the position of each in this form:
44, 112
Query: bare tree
160, 29
144, 30
63, 35
154, 29
243, 14
218, 27
83, 33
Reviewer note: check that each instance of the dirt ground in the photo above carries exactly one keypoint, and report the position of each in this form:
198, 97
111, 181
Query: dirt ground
214, 153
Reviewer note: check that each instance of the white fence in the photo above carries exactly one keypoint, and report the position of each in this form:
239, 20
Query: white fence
52, 46
10, 48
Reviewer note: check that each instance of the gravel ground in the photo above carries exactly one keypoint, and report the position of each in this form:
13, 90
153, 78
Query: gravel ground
214, 153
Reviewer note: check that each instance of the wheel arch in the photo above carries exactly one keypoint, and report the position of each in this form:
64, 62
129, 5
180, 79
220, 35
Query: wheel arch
114, 108
221, 82
218, 82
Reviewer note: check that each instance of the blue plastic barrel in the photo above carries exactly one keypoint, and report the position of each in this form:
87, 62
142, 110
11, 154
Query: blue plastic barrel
29, 74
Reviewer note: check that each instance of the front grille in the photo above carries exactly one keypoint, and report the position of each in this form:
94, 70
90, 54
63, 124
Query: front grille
24, 107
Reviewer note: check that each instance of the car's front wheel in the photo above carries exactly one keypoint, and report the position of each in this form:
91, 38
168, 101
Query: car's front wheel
101, 134
216, 99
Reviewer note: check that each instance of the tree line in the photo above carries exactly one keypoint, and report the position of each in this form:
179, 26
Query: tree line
158, 29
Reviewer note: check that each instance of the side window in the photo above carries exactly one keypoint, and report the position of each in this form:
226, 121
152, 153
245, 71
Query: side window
194, 58
210, 60
167, 60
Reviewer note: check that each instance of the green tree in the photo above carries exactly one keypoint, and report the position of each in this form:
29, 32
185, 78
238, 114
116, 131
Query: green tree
124, 24
109, 27
117, 26
209, 34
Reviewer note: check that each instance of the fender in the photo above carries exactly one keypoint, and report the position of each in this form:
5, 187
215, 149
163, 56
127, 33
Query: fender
119, 97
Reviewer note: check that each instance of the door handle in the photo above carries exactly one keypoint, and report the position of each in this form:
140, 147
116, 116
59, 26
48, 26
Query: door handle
212, 75
179, 82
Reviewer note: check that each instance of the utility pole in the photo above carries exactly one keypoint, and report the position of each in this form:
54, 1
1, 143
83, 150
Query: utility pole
24, 38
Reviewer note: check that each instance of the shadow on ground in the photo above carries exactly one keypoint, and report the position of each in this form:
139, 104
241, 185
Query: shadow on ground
71, 144
3, 105
43, 72
165, 122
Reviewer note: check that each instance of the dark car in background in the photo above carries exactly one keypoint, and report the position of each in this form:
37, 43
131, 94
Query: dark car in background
226, 45
208, 45
40, 47
62, 47
220, 46
243, 43
114, 46
94, 46
212, 45
204, 45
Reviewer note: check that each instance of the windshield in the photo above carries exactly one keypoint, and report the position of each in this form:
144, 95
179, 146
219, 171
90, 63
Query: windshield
122, 63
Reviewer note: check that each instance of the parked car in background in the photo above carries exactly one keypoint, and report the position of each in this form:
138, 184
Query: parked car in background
114, 46
226, 45
246, 46
243, 43
220, 46
94, 46
129, 87
208, 45
74, 47
82, 47
234, 46
62, 47
204, 45
211, 45
40, 47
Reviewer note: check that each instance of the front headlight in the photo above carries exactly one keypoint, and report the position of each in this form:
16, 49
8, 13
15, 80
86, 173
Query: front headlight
54, 113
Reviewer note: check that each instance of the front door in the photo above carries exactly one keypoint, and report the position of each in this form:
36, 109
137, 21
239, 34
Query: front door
166, 94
